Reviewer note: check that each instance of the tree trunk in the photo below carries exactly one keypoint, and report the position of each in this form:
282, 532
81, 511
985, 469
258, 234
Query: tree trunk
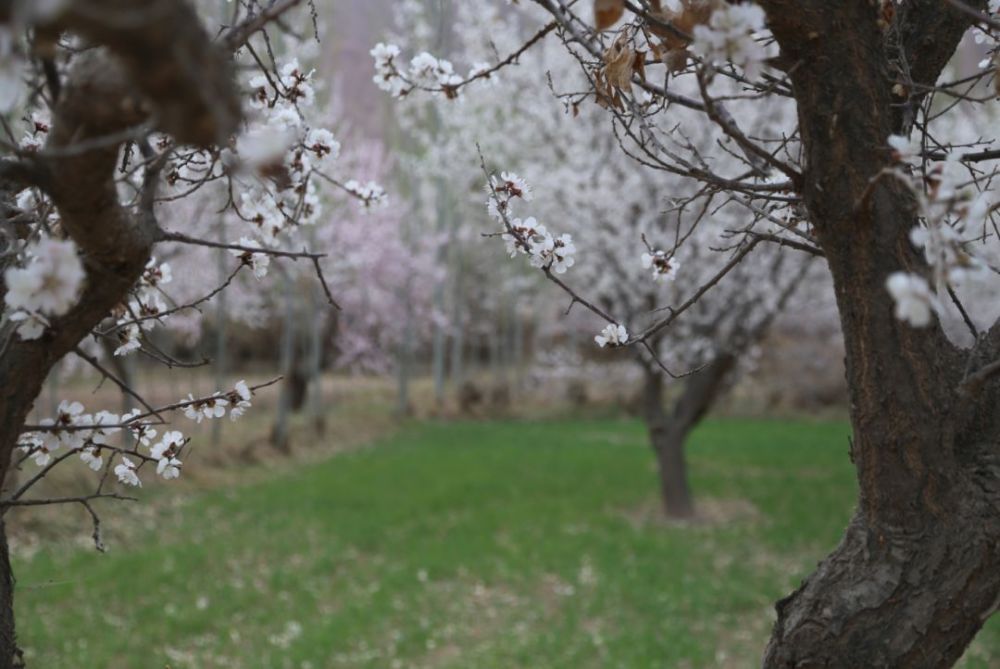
918, 570
11, 657
456, 366
279, 431
440, 340
317, 411
668, 445
221, 341
668, 433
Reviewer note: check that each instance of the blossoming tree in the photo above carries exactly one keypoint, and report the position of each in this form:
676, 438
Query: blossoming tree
620, 211
876, 178
118, 118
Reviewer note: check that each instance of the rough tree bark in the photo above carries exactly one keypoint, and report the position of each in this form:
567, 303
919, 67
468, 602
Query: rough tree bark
918, 569
159, 64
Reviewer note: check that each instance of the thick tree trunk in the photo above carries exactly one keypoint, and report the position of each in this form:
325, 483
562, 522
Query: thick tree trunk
918, 570
894, 596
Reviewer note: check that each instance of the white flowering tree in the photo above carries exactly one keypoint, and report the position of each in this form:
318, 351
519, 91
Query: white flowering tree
886, 173
638, 251
122, 123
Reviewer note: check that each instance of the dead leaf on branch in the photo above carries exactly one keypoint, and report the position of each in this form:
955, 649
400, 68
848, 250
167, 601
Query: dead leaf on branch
607, 12
605, 94
619, 62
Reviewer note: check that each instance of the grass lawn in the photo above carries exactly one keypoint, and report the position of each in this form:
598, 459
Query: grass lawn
468, 545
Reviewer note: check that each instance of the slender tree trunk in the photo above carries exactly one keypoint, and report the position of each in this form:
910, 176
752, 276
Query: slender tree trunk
668, 445
440, 342
518, 348
668, 432
279, 432
404, 360
317, 414
456, 364
11, 658
667, 440
221, 259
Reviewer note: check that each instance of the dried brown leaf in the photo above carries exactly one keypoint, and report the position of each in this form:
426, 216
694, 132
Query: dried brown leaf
607, 12
619, 61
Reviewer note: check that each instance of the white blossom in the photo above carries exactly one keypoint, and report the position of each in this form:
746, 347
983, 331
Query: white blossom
212, 407
125, 471
915, 302
242, 400
128, 339
168, 446
322, 142
664, 267
729, 36
157, 274
513, 185
168, 468
32, 325
100, 435
295, 81
48, 285
904, 148
91, 457
39, 447
612, 335
369, 193
257, 262
387, 77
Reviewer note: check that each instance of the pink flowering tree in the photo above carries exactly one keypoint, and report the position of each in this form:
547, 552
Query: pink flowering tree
885, 171
110, 155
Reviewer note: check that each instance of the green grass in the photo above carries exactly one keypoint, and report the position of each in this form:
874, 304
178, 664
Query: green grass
469, 545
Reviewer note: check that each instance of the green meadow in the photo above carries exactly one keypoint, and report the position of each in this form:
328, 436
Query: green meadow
464, 545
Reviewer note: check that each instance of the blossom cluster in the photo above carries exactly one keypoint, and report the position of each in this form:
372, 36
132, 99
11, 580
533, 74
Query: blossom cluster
545, 250
73, 431
949, 204
144, 309
425, 72
238, 401
276, 160
47, 285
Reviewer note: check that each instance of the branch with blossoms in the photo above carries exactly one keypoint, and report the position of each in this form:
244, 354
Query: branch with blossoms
554, 256
72, 432
433, 75
96, 178
948, 198
731, 40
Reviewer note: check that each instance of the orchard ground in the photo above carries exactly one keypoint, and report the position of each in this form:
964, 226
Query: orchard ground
516, 543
